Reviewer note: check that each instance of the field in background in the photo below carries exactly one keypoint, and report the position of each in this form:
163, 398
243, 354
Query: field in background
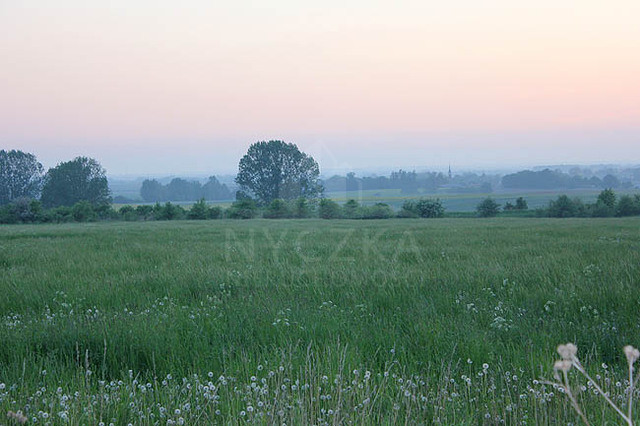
311, 321
453, 203
461, 202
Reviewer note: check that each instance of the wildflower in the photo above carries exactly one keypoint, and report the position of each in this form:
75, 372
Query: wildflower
631, 353
563, 365
485, 366
17, 416
567, 351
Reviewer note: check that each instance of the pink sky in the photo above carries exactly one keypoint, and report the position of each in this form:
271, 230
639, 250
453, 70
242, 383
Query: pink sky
154, 86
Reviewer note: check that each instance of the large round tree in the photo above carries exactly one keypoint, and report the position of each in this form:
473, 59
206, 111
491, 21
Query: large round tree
275, 169
81, 179
20, 176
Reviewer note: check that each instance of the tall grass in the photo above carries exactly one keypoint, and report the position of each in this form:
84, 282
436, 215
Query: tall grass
107, 308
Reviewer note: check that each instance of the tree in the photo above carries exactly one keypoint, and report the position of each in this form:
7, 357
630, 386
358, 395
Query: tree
563, 206
20, 176
521, 204
81, 179
276, 169
488, 208
152, 191
214, 190
627, 207
199, 211
607, 197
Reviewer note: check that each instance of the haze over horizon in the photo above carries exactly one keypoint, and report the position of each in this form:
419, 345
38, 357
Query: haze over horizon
153, 87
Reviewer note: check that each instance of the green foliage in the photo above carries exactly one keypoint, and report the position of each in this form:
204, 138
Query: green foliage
168, 211
277, 209
275, 169
215, 212
199, 211
627, 207
82, 179
329, 209
20, 176
377, 211
521, 204
302, 208
488, 208
424, 207
352, 210
82, 211
128, 213
608, 198
145, 212
182, 190
22, 210
564, 206
244, 208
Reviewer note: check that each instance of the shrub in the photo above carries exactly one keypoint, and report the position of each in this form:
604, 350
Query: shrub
168, 211
145, 212
199, 211
429, 208
277, 209
424, 207
58, 215
626, 207
215, 212
82, 211
563, 206
521, 204
352, 210
302, 208
329, 209
21, 210
128, 213
244, 208
408, 210
488, 208
377, 211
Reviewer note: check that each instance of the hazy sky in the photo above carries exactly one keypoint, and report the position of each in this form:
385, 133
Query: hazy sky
158, 86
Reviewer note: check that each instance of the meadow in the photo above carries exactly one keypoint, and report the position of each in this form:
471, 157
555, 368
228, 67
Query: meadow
451, 321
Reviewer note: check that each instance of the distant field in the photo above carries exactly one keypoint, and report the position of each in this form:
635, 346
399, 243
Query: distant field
464, 203
309, 321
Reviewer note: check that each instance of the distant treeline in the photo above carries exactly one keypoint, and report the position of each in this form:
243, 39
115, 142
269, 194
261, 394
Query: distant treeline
551, 179
183, 190
411, 182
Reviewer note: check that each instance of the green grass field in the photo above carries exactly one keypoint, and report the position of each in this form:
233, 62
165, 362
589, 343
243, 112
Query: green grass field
309, 321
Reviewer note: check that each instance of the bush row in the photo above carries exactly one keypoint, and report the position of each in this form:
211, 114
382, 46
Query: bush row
31, 211
608, 204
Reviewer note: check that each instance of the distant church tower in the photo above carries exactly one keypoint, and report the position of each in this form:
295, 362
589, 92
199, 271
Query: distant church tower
450, 175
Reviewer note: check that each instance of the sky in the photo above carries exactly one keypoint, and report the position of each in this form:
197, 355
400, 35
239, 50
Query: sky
158, 87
